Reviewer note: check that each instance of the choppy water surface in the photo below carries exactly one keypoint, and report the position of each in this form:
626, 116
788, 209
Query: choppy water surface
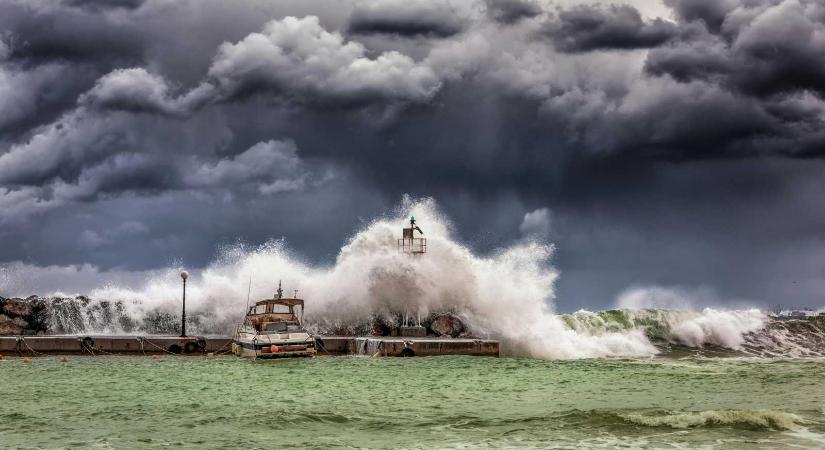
223, 402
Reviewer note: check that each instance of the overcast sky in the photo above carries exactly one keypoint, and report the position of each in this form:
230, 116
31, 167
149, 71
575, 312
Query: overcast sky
676, 143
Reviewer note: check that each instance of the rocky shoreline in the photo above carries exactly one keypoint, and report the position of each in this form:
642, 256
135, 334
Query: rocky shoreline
20, 316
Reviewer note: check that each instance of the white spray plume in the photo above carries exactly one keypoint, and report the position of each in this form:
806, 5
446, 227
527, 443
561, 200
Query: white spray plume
506, 295
724, 328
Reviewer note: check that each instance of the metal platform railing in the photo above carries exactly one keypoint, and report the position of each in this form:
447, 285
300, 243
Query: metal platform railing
412, 245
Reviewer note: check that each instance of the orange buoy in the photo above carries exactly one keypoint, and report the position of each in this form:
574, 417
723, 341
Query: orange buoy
64, 359
155, 357
26, 360
274, 349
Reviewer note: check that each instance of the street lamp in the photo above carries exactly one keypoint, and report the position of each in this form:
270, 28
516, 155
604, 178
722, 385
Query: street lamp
184, 275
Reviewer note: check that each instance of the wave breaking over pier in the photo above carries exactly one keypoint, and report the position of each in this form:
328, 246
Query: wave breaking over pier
506, 295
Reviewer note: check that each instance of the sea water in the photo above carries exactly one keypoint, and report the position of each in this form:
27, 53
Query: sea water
127, 402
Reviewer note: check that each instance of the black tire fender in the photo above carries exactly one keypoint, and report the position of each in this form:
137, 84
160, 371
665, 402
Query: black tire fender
87, 343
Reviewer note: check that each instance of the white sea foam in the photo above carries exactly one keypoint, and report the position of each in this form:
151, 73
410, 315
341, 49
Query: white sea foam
685, 327
723, 328
758, 419
507, 295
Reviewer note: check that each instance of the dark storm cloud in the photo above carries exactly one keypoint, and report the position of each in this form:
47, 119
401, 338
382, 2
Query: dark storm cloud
406, 18
511, 11
97, 5
163, 130
587, 28
323, 66
779, 50
325, 69
36, 34
711, 12
134, 90
35, 96
677, 122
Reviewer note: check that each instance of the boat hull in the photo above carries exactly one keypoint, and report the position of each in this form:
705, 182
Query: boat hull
271, 350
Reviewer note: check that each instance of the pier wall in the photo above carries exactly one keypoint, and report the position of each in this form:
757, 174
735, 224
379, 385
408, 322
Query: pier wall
94, 344
382, 346
327, 345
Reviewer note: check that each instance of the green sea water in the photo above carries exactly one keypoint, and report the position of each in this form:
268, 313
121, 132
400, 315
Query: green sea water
127, 402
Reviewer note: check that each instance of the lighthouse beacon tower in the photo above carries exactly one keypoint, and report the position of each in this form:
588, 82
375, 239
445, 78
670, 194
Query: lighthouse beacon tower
410, 244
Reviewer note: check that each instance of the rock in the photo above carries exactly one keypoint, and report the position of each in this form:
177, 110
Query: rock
447, 325
17, 307
38, 320
381, 326
11, 326
379, 329
31, 313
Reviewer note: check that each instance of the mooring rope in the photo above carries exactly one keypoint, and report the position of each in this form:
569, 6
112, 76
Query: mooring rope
218, 351
161, 348
19, 349
321, 343
140, 340
88, 349
33, 351
100, 350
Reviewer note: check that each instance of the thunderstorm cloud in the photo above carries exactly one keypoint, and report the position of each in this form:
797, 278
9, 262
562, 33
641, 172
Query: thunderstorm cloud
673, 143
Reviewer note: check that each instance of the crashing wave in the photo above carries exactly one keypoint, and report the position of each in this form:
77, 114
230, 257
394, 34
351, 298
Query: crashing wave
506, 295
737, 418
656, 331
750, 332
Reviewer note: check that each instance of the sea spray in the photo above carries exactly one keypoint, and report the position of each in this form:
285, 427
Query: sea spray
507, 295
723, 328
729, 329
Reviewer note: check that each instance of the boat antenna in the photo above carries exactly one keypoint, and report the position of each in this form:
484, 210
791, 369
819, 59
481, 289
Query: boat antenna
295, 294
414, 226
248, 292
280, 293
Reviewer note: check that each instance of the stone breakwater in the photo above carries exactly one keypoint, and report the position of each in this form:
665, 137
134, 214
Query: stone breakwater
23, 316
747, 332
35, 315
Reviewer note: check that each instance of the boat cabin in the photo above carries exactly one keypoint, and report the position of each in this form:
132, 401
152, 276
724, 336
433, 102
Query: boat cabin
277, 315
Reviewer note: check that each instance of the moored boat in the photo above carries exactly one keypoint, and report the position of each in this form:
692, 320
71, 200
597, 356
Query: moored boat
273, 328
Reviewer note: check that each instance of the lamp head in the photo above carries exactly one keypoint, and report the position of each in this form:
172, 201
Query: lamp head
184, 274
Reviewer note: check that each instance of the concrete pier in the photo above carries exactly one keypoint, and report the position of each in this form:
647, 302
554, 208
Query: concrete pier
409, 346
335, 345
326, 345
97, 344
